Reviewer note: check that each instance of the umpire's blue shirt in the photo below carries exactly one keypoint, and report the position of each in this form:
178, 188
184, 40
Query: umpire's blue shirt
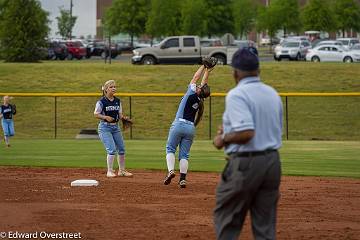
253, 105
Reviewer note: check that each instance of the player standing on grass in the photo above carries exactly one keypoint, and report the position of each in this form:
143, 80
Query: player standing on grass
182, 130
7, 111
108, 109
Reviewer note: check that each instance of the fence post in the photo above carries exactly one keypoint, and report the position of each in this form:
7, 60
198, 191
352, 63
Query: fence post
130, 116
287, 118
55, 117
210, 118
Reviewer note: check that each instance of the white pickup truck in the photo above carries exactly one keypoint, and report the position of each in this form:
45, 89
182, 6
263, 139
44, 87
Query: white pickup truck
181, 49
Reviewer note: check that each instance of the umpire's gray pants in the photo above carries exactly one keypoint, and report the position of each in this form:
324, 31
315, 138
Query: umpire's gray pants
248, 183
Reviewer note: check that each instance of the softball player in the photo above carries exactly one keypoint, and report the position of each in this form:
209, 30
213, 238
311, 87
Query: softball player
182, 130
6, 115
108, 109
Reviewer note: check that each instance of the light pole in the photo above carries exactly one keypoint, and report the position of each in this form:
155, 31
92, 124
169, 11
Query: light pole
71, 7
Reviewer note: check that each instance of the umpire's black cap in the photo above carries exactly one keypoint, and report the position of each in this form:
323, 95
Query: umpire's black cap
246, 59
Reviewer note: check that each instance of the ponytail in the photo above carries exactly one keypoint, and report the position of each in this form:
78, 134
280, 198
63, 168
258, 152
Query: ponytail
200, 112
103, 90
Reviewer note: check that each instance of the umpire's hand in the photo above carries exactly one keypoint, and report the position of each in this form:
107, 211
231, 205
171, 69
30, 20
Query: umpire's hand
219, 138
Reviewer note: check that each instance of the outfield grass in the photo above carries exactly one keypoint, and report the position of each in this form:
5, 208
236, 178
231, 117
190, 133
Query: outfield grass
326, 118
308, 158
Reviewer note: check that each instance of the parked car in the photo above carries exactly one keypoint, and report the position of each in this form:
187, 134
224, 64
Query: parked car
141, 44
60, 50
292, 50
180, 49
86, 43
267, 41
348, 42
331, 53
123, 46
75, 49
356, 47
244, 43
330, 42
211, 43
297, 38
99, 48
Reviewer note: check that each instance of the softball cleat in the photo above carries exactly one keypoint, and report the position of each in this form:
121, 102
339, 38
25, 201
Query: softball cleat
182, 184
124, 173
110, 174
168, 177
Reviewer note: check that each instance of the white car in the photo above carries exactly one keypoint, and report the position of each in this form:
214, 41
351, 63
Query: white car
331, 53
348, 42
293, 50
355, 52
330, 42
356, 48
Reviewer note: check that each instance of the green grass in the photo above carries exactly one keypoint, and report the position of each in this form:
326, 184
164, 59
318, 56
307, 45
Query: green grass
327, 118
308, 158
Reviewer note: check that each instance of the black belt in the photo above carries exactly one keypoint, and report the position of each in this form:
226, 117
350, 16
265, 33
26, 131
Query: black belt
252, 154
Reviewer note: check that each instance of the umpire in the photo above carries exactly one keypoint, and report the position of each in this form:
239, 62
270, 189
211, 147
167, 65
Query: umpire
251, 137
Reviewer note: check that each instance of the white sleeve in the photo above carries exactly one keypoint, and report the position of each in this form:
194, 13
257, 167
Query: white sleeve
193, 87
120, 109
98, 108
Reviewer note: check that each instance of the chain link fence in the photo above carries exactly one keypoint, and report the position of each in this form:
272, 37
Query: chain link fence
332, 116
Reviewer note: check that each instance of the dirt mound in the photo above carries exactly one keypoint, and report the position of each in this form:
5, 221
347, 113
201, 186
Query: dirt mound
41, 199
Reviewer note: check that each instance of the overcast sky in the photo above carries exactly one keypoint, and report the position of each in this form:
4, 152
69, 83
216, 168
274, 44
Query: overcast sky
85, 10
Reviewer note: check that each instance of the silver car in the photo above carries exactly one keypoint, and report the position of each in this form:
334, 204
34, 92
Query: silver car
348, 42
291, 49
331, 53
330, 42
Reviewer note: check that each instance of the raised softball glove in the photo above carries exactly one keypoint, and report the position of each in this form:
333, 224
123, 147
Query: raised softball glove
127, 122
209, 62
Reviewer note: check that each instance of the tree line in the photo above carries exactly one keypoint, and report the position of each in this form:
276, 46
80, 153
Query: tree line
24, 25
159, 18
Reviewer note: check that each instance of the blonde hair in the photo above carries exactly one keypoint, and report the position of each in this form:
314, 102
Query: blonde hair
8, 97
106, 85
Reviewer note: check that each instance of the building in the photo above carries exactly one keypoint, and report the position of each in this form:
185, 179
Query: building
101, 6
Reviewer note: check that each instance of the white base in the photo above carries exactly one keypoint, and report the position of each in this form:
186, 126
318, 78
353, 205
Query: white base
84, 183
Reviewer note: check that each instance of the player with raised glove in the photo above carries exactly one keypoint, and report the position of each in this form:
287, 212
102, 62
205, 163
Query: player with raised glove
209, 62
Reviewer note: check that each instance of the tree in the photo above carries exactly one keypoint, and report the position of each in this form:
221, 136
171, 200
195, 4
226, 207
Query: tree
164, 18
288, 14
268, 21
66, 23
126, 16
318, 16
347, 15
219, 17
23, 30
193, 17
244, 12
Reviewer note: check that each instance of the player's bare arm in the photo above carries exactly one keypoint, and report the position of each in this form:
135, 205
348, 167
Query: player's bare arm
103, 117
197, 75
205, 77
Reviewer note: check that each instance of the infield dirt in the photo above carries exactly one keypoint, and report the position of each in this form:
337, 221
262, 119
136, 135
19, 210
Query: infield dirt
41, 199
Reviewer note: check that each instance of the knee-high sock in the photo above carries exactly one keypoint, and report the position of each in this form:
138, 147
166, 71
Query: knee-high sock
170, 161
184, 165
121, 162
7, 140
110, 162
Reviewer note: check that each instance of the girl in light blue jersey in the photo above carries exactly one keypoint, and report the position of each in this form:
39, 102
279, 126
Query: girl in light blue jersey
182, 130
109, 110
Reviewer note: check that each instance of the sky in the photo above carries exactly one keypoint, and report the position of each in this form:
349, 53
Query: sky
85, 10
